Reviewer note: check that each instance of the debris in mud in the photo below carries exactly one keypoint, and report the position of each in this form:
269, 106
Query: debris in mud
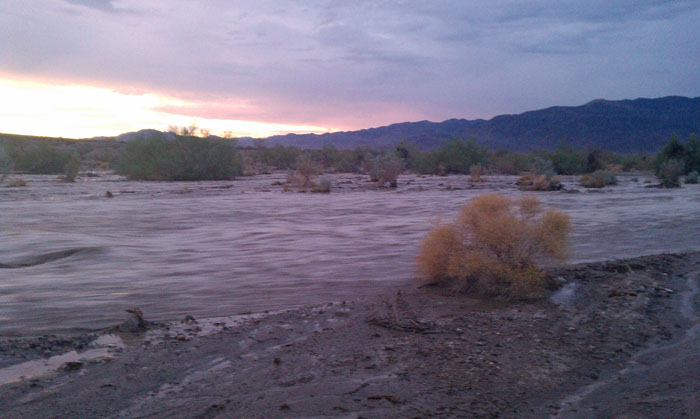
71, 366
135, 324
400, 317
388, 397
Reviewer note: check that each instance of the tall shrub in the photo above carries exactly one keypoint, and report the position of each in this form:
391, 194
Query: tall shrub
180, 158
496, 246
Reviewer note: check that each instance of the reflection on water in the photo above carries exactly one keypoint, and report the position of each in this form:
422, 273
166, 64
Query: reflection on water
218, 248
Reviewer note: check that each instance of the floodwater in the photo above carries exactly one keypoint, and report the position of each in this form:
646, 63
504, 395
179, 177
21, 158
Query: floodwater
73, 259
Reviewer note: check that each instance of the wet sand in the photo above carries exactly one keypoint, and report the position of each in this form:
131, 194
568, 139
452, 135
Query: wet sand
617, 339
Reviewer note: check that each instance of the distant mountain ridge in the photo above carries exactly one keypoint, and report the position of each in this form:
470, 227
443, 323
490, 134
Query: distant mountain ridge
616, 125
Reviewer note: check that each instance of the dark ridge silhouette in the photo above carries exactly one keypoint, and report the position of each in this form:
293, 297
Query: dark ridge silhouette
623, 126
617, 125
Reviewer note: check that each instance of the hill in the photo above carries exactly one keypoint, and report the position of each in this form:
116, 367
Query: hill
624, 126
621, 126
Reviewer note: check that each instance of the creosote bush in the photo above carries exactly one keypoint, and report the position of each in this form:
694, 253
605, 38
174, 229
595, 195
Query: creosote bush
385, 168
70, 172
598, 179
16, 183
323, 185
476, 172
669, 173
306, 171
543, 182
496, 246
161, 157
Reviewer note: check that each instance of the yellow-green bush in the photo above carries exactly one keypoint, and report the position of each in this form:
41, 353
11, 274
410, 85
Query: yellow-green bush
496, 246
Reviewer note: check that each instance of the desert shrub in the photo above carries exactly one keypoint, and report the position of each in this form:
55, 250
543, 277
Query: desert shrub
496, 246
669, 173
476, 172
567, 160
5, 163
542, 166
160, 157
306, 170
426, 163
348, 162
542, 177
72, 168
509, 163
278, 156
16, 183
535, 182
640, 161
594, 161
323, 185
692, 177
457, 156
385, 168
598, 179
326, 156
37, 159
692, 154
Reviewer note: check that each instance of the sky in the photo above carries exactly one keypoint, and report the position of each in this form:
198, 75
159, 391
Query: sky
83, 68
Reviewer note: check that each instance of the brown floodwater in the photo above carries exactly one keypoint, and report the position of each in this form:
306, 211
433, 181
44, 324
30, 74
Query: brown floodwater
75, 260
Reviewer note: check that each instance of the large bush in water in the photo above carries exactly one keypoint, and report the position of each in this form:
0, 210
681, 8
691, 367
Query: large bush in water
176, 157
496, 247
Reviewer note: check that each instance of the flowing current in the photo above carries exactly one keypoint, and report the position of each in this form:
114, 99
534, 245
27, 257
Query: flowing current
72, 259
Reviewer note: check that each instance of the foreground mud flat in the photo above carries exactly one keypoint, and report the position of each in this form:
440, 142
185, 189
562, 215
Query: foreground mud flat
617, 338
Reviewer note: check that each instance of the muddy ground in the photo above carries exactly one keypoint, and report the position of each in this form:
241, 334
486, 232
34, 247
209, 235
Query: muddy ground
618, 339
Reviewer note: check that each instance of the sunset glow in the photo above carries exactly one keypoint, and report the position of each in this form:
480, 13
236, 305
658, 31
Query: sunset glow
79, 111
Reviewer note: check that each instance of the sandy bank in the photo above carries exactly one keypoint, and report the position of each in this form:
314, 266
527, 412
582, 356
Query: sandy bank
618, 338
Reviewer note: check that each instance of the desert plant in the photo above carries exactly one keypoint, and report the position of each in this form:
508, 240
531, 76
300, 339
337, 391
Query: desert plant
508, 162
669, 173
306, 170
496, 246
323, 185
598, 179
5, 164
385, 168
72, 168
160, 157
567, 160
16, 183
541, 182
476, 172
542, 177
38, 159
692, 177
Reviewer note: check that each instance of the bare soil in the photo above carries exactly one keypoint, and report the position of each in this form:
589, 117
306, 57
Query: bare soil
618, 339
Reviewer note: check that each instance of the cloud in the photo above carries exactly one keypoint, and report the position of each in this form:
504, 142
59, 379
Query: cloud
103, 5
360, 64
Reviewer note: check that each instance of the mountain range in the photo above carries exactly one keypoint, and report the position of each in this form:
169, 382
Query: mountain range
627, 126
616, 125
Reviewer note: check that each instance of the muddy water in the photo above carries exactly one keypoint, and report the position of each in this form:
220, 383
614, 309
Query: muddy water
73, 259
